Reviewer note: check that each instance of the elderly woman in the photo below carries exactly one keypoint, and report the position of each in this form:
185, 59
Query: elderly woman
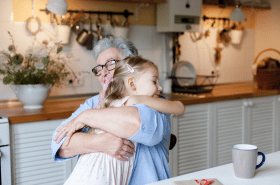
138, 123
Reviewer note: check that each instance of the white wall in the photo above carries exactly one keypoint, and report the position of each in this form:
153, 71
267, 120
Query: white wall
267, 30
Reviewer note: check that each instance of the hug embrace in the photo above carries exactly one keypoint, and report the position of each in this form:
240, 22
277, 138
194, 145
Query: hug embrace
122, 135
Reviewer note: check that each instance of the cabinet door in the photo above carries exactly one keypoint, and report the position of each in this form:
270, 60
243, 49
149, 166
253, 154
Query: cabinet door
277, 123
191, 151
32, 161
226, 130
259, 123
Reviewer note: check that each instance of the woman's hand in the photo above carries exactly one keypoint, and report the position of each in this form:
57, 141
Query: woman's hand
117, 147
69, 129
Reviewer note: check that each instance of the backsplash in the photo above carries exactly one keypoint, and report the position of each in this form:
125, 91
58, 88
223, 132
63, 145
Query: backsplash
150, 45
236, 60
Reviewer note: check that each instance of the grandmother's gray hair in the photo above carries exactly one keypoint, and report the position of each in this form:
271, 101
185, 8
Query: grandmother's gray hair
126, 47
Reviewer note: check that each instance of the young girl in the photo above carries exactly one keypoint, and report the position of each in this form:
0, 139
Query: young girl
135, 81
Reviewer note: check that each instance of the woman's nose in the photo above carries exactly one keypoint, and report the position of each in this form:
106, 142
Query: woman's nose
105, 71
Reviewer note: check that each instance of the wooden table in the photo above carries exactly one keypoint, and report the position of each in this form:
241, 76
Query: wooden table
269, 173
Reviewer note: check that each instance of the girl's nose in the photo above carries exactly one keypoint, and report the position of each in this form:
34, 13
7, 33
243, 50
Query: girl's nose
159, 88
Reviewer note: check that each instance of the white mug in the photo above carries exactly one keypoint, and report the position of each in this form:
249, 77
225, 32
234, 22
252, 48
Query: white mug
244, 159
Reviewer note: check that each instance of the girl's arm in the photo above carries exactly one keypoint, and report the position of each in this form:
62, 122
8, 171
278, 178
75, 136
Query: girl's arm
122, 122
158, 104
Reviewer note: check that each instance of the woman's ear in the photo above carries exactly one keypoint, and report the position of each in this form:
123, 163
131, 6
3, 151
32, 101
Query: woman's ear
131, 83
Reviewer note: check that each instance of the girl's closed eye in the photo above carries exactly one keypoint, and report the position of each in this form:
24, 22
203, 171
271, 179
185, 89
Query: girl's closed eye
155, 82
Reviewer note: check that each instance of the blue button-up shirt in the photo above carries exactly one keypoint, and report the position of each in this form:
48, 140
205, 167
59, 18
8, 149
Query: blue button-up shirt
151, 156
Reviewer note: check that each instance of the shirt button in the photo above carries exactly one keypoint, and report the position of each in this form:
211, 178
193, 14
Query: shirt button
143, 127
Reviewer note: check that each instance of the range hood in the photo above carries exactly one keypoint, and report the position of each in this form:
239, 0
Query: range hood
244, 3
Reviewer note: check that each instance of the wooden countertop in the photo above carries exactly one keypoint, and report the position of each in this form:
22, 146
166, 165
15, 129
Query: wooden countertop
224, 92
63, 108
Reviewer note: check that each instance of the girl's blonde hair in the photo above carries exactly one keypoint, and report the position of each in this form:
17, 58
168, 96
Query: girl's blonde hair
116, 89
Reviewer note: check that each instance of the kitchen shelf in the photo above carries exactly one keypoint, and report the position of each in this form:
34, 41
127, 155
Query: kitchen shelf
232, 3
125, 13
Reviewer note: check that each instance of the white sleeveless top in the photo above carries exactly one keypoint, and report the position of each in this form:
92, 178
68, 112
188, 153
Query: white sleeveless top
100, 168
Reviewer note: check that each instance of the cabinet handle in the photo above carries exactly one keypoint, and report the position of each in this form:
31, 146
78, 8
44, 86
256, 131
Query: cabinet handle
246, 104
251, 103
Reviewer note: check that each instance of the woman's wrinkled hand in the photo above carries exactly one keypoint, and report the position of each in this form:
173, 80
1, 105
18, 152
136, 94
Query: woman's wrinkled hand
117, 147
68, 130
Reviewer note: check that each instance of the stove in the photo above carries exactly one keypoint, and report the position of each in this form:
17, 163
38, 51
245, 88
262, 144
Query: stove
3, 119
5, 152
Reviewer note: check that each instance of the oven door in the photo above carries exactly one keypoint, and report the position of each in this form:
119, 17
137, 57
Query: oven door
5, 165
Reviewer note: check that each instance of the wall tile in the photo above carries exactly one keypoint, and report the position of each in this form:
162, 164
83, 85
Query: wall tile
142, 36
4, 36
6, 92
6, 13
158, 40
22, 38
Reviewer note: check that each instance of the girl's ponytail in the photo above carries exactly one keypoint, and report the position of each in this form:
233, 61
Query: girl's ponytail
115, 91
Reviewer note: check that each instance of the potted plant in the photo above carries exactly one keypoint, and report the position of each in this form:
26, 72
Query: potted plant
33, 74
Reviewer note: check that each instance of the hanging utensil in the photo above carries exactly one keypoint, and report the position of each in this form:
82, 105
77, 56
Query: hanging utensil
224, 36
126, 23
188, 4
28, 27
75, 22
100, 31
108, 26
214, 21
82, 37
69, 19
90, 39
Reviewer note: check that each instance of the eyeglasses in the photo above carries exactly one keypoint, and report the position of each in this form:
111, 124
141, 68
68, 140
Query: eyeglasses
109, 65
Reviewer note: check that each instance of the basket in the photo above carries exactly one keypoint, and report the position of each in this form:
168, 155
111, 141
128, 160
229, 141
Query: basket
267, 79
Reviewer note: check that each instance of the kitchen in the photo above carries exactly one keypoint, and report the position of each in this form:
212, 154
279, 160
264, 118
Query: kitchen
235, 65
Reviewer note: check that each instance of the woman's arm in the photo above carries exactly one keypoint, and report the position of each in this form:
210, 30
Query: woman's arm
84, 143
87, 143
159, 104
154, 125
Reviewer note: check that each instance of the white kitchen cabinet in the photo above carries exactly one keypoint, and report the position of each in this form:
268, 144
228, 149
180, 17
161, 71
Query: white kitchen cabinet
226, 130
32, 161
206, 132
259, 116
191, 150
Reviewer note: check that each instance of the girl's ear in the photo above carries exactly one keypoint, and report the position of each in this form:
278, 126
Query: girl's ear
131, 83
